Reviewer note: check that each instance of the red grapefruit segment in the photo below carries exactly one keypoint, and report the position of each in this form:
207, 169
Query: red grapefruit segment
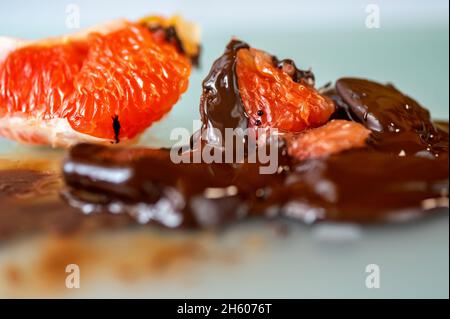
35, 80
93, 86
127, 74
334, 137
272, 99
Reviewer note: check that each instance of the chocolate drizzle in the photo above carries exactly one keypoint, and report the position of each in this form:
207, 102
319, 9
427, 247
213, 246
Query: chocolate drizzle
221, 105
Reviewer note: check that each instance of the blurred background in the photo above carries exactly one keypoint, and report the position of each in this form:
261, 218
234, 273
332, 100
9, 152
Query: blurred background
408, 45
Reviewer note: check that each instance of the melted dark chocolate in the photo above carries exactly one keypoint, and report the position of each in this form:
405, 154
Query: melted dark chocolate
297, 75
398, 123
29, 203
20, 182
356, 186
365, 185
402, 173
221, 105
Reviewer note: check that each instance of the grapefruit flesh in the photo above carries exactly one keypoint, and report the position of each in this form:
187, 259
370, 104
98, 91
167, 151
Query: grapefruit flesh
272, 99
102, 86
332, 138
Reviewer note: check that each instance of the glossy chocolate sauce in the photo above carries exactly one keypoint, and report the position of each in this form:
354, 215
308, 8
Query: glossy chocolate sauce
220, 104
297, 75
402, 173
398, 123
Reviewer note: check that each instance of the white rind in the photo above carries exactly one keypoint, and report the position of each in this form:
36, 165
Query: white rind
56, 132
8, 44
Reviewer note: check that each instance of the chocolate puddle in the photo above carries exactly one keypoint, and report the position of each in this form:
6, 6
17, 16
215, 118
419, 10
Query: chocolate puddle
30, 203
401, 174
355, 186
22, 218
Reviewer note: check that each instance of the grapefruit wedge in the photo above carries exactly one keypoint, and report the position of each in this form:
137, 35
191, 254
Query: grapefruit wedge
273, 97
102, 85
